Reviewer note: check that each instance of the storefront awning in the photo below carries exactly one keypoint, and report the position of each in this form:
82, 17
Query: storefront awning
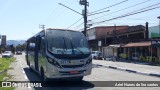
140, 44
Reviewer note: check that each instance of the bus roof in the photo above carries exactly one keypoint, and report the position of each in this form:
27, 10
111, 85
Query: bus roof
52, 29
60, 29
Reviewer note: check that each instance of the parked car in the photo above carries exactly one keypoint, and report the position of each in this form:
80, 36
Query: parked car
7, 54
19, 52
97, 55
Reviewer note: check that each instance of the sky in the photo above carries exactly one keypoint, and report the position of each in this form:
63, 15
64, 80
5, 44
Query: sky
20, 19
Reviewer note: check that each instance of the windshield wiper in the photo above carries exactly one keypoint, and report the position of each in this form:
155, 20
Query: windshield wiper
73, 46
79, 50
65, 46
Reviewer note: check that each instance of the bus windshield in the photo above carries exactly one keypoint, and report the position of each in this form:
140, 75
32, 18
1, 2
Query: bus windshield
66, 42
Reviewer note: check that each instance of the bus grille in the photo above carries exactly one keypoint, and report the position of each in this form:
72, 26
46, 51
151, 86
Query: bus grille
72, 66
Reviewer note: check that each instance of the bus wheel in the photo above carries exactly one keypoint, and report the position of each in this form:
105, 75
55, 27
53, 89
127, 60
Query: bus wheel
77, 79
80, 78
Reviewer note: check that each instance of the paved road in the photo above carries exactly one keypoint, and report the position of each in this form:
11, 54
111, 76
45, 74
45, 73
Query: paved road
20, 72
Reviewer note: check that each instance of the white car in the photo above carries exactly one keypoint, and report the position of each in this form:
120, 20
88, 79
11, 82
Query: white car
7, 54
97, 55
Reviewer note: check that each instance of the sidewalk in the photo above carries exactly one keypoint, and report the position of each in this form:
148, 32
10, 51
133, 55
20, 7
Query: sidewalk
140, 68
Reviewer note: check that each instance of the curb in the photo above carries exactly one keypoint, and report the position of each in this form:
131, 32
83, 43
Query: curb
130, 70
133, 71
152, 74
112, 67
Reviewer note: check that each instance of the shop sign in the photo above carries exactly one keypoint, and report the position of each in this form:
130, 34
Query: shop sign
99, 43
155, 43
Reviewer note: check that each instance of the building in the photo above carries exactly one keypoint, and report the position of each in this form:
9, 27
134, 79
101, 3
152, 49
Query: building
3, 40
109, 39
154, 34
2, 43
134, 43
101, 36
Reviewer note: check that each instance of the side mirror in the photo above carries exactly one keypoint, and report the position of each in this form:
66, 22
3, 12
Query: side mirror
32, 46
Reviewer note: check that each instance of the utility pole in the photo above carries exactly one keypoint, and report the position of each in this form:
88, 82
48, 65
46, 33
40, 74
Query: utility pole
146, 32
42, 26
84, 13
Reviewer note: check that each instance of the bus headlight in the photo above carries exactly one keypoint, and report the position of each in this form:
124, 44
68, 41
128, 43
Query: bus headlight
55, 63
89, 61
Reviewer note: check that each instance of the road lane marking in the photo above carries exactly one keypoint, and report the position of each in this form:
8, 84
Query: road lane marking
23, 71
29, 88
25, 77
24, 74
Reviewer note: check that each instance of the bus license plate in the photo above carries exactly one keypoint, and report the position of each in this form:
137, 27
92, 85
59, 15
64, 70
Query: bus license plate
73, 72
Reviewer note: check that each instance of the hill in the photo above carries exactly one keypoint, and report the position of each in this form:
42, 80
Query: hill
15, 42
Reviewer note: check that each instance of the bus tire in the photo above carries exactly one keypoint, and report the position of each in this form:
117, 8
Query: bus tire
77, 79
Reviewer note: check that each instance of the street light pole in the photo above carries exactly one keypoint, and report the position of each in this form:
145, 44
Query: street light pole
159, 24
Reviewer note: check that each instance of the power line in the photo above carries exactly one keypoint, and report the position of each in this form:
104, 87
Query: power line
143, 8
69, 8
88, 15
129, 14
126, 15
98, 13
78, 26
117, 10
95, 12
122, 9
109, 6
53, 11
57, 12
75, 23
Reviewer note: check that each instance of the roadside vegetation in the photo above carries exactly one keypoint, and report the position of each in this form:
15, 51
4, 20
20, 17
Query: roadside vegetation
4, 66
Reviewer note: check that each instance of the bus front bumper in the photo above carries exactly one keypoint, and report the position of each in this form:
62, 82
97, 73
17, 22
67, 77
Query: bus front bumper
68, 72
